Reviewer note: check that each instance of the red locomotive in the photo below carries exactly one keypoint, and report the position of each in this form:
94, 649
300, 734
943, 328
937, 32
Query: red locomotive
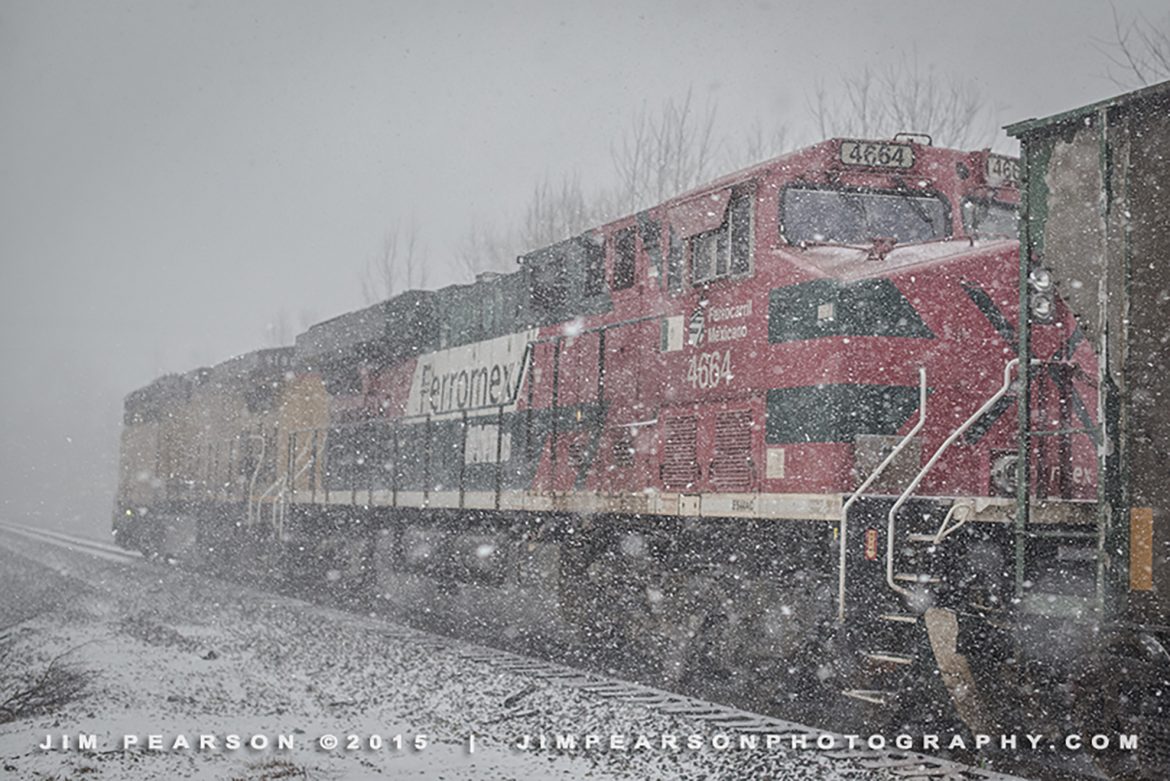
761, 438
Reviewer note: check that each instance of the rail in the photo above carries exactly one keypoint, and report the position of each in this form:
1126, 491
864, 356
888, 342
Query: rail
868, 482
891, 519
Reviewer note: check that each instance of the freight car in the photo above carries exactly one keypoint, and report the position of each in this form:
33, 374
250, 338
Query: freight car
758, 438
1095, 239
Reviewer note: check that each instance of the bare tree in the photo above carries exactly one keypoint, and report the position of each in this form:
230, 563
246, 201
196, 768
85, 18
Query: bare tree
903, 98
307, 317
759, 144
27, 691
555, 211
483, 249
1139, 50
661, 154
277, 332
664, 153
401, 265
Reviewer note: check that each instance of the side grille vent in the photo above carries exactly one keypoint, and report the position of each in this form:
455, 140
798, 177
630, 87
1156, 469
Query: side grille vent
731, 467
623, 449
680, 464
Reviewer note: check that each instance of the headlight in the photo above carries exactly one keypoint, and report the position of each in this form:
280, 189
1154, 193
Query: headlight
1003, 474
1041, 302
1041, 308
1040, 280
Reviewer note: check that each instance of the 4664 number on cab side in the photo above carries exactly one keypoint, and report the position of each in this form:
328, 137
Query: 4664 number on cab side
709, 370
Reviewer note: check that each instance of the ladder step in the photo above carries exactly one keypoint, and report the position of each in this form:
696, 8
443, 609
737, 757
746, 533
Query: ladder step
902, 618
920, 538
1057, 604
889, 658
1062, 432
1072, 535
869, 695
910, 577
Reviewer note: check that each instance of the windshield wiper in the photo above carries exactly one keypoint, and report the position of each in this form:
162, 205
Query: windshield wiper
907, 195
854, 202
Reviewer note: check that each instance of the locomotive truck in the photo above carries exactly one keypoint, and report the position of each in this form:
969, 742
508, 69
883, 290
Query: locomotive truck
815, 430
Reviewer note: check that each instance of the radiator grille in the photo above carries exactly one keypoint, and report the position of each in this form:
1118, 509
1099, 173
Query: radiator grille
731, 467
680, 464
623, 448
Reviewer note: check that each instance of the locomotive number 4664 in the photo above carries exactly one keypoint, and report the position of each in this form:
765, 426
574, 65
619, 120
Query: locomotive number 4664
877, 154
708, 370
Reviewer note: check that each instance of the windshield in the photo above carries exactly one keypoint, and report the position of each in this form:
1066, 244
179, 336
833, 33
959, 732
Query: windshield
990, 218
850, 217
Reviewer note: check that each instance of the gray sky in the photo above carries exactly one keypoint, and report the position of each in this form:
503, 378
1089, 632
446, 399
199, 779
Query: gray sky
172, 175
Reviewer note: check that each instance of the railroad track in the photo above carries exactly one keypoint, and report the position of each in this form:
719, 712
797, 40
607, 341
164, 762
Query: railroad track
891, 763
905, 765
103, 550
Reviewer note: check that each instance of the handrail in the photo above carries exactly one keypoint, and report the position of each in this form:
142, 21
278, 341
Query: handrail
255, 474
305, 466
275, 484
256, 503
280, 481
869, 481
959, 510
282, 497
890, 525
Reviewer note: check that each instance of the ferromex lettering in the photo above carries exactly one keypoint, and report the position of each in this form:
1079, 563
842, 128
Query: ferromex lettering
480, 376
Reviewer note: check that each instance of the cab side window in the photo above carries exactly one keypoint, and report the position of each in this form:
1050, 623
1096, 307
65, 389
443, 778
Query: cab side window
725, 251
623, 259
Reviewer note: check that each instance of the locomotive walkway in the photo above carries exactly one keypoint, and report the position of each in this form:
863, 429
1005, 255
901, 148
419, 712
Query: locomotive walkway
195, 661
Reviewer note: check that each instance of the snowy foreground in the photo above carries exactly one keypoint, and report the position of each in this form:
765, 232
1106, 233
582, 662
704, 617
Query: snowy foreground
181, 660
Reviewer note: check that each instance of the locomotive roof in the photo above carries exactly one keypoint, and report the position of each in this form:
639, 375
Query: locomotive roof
242, 365
828, 146
1155, 93
157, 392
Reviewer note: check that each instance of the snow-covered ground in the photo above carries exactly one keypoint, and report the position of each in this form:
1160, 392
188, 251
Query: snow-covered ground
187, 658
